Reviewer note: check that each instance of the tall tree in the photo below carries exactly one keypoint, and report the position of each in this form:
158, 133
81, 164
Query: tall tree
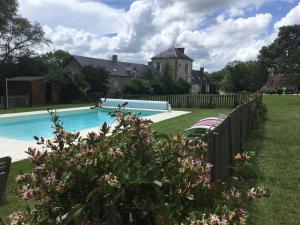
242, 76
283, 55
8, 9
97, 77
56, 59
17, 35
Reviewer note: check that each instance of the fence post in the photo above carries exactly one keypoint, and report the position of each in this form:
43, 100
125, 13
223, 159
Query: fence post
235, 101
210, 101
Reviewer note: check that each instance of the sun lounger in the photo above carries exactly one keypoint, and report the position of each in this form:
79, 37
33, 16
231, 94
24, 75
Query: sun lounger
207, 123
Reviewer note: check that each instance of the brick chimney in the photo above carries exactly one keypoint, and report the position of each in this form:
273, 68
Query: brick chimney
181, 50
115, 58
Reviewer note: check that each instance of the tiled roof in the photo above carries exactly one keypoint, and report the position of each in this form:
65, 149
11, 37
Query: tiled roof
172, 53
123, 69
198, 77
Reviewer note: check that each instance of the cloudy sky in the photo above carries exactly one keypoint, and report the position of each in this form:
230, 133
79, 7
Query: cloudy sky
214, 32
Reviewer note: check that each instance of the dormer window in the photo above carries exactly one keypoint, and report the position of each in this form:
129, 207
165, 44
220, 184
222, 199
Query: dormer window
133, 73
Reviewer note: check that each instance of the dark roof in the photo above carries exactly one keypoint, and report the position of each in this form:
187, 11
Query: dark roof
118, 68
25, 78
172, 53
198, 77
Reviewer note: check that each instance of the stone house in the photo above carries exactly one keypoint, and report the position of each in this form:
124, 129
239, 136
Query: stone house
200, 83
180, 64
120, 72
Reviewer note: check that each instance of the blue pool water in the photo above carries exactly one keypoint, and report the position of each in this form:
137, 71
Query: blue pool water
26, 127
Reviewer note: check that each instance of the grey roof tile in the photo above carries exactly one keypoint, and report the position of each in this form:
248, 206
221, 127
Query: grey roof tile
172, 53
198, 77
123, 69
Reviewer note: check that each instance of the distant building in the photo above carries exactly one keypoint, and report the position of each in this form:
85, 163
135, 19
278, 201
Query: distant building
284, 83
273, 83
40, 90
200, 83
120, 72
180, 64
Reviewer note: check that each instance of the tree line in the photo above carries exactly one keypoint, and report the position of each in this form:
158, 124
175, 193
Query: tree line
282, 57
152, 82
19, 40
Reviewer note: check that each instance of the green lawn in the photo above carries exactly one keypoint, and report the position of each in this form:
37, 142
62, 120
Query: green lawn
13, 202
276, 142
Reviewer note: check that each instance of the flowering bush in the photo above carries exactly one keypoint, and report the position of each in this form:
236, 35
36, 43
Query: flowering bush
130, 176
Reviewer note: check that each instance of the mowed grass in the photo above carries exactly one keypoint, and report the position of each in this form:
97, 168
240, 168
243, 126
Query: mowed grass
277, 144
13, 202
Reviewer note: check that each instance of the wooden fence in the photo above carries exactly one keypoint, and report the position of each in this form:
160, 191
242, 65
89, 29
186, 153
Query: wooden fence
198, 100
227, 139
15, 101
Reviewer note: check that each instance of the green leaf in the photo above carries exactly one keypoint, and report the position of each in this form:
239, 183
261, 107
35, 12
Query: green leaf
158, 183
73, 213
190, 197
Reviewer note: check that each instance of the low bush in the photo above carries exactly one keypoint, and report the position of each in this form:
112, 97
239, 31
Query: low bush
133, 176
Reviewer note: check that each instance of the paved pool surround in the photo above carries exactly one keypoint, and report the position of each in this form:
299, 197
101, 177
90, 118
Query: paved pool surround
16, 148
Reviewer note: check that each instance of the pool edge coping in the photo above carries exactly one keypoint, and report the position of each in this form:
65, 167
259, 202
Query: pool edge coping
8, 115
18, 152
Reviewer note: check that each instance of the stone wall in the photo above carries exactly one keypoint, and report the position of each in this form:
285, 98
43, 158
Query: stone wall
177, 67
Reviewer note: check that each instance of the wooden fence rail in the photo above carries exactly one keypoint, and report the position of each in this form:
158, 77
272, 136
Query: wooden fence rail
227, 139
15, 100
198, 100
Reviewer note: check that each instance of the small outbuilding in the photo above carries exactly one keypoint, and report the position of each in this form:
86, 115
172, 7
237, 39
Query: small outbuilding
201, 84
41, 90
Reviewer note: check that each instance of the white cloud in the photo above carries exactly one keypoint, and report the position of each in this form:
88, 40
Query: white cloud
293, 17
150, 26
88, 15
227, 40
234, 12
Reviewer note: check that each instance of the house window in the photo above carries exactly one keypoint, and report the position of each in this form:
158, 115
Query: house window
157, 66
207, 88
186, 68
187, 79
115, 84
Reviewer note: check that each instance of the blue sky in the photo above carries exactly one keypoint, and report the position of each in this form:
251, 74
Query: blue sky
121, 4
213, 32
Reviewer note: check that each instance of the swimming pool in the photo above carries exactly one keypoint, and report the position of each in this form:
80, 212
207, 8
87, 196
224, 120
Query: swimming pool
26, 127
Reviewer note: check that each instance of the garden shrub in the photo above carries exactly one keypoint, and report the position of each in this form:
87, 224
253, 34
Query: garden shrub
133, 176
